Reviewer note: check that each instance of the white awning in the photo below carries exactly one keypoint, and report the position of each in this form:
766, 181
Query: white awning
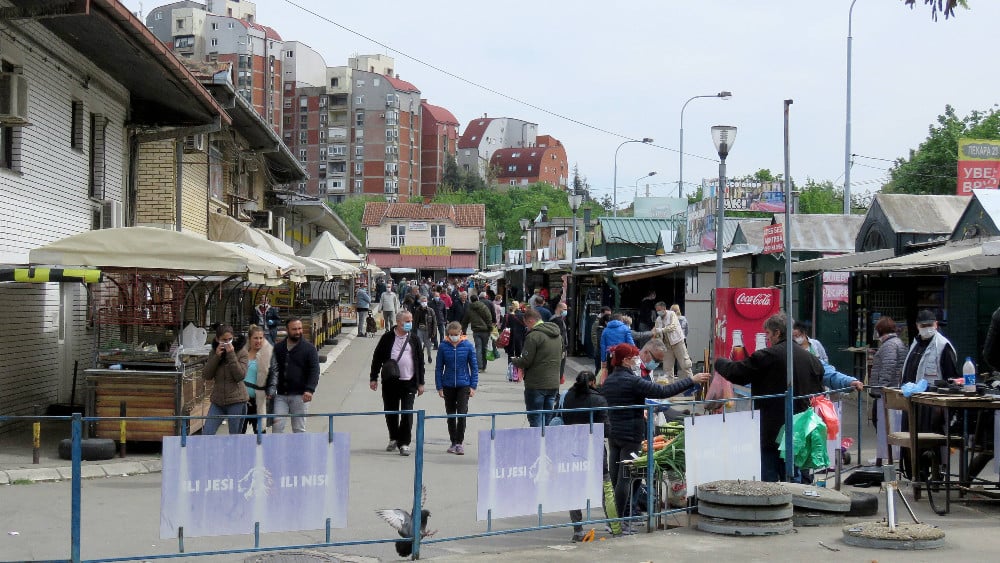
833, 263
965, 256
668, 263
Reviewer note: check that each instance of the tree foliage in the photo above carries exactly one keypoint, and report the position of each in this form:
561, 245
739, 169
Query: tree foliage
352, 209
932, 167
946, 7
820, 198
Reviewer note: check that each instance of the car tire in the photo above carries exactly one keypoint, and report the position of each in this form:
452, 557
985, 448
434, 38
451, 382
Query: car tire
91, 449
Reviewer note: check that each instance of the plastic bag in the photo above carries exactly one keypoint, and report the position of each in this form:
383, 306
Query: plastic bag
720, 389
825, 409
514, 373
504, 339
495, 333
491, 354
809, 435
911, 388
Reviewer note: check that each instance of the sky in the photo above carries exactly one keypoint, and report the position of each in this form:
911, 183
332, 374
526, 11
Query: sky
624, 70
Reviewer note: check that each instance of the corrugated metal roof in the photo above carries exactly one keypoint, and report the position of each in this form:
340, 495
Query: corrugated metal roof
824, 233
965, 256
990, 200
635, 230
752, 229
928, 214
833, 263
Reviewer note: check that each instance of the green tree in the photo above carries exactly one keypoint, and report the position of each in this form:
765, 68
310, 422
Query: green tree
946, 7
820, 198
932, 167
352, 209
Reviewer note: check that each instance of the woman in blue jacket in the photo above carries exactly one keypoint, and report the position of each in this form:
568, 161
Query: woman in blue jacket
456, 376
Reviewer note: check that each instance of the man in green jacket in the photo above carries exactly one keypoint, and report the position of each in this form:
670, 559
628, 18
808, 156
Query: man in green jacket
478, 315
540, 361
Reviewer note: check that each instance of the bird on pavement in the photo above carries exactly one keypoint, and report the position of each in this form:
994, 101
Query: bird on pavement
401, 521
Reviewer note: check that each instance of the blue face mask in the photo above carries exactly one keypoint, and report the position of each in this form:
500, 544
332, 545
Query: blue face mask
407, 327
651, 365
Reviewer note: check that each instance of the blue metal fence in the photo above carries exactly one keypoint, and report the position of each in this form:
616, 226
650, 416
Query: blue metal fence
77, 421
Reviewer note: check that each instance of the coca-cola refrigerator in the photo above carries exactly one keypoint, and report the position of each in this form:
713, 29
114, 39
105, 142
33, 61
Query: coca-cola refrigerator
740, 313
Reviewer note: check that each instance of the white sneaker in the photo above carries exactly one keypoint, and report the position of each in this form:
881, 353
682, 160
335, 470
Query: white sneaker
404, 450
391, 446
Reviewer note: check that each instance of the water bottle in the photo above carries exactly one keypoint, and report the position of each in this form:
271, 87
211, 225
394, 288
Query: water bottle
969, 376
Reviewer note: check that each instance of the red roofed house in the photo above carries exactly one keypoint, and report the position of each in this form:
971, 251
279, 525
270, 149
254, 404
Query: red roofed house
439, 134
544, 162
485, 135
424, 239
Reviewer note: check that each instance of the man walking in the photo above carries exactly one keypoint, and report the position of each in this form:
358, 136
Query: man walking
297, 364
426, 324
540, 361
437, 305
362, 304
459, 306
390, 306
400, 386
268, 319
479, 317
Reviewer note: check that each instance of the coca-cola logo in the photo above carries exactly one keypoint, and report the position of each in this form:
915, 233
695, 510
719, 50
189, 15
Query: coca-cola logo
754, 303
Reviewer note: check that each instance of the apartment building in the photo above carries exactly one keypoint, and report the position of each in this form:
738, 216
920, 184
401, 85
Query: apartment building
439, 139
544, 161
483, 136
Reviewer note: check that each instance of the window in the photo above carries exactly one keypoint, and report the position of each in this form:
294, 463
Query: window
158, 16
359, 99
392, 187
215, 43
180, 24
76, 125
513, 182
288, 86
322, 135
322, 155
244, 61
338, 150
322, 101
376, 82
529, 168
303, 103
183, 42
289, 54
391, 117
302, 187
215, 26
288, 105
360, 83
303, 136
391, 135
304, 120
359, 186
334, 82
303, 155
359, 151
512, 168
230, 25
322, 187
359, 135
359, 118
515, 154
391, 169
437, 235
96, 176
287, 121
359, 167
524, 181
336, 185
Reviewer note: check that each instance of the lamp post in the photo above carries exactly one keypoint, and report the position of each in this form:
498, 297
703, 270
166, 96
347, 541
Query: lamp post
725, 95
524, 223
575, 201
847, 127
636, 196
723, 137
645, 140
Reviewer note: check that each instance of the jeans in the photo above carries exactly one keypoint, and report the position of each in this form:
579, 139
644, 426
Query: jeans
772, 467
362, 317
456, 401
619, 452
425, 340
289, 404
538, 400
399, 396
390, 319
482, 340
440, 327
232, 413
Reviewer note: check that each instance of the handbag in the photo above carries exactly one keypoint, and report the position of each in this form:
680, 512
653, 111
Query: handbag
390, 368
504, 339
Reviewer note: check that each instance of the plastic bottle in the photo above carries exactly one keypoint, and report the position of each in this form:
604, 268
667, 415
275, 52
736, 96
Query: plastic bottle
969, 376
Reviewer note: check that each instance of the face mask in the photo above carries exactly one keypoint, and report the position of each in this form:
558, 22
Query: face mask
564, 313
454, 337
928, 332
651, 365
423, 303
800, 339
662, 313
407, 327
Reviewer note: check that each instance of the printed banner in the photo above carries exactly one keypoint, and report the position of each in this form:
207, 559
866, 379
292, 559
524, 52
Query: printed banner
774, 238
735, 450
520, 470
978, 165
425, 250
220, 485
834, 294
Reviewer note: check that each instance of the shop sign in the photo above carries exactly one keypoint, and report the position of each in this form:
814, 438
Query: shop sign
418, 225
753, 303
425, 251
978, 165
774, 238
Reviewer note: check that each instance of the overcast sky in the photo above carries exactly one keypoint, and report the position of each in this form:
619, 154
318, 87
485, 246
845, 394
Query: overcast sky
628, 67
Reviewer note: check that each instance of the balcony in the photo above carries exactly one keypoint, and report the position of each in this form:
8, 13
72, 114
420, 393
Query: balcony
396, 241
438, 241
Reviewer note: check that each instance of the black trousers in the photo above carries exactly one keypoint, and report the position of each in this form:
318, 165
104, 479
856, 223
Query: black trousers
456, 401
619, 452
399, 396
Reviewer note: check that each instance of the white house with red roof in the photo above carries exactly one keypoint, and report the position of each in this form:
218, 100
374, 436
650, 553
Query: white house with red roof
486, 135
424, 239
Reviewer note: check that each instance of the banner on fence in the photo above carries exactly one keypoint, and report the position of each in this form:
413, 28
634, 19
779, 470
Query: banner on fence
520, 470
735, 451
220, 485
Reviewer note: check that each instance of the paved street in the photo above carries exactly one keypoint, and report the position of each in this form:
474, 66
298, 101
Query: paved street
121, 514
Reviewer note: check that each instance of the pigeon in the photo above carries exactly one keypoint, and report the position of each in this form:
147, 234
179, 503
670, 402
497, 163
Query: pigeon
400, 520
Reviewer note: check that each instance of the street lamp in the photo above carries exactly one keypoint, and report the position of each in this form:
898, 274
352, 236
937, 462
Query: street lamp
847, 133
725, 95
501, 235
636, 196
645, 140
723, 137
524, 223
575, 201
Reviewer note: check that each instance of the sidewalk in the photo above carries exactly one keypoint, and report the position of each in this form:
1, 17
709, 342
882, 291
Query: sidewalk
16, 445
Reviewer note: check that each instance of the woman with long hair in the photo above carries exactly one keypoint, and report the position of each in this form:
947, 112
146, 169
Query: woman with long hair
227, 367
259, 376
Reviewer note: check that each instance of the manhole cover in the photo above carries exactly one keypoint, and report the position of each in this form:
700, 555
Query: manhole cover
807, 519
818, 498
713, 510
744, 527
744, 493
304, 556
905, 536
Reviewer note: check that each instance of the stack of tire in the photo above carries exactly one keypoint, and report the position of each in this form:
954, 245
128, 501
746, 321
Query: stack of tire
744, 508
817, 506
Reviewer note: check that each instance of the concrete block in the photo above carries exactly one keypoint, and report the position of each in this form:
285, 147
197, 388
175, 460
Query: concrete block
124, 468
34, 475
153, 465
4, 480
86, 471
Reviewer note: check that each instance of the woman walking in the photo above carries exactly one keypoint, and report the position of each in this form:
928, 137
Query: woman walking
259, 377
456, 376
227, 367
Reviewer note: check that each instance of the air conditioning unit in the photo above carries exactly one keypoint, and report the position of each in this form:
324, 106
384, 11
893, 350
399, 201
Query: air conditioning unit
194, 143
262, 220
13, 99
112, 216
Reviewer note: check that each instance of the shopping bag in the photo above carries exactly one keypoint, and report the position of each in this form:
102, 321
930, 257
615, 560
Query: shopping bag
504, 339
720, 389
809, 441
514, 373
495, 333
825, 409
491, 354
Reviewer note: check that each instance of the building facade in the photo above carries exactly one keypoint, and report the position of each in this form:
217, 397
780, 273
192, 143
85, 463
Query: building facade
424, 239
545, 161
439, 140
484, 136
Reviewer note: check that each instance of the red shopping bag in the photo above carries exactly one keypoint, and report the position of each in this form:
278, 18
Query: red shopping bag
825, 409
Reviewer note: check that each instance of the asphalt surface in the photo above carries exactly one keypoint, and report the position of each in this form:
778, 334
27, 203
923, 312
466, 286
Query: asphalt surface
121, 513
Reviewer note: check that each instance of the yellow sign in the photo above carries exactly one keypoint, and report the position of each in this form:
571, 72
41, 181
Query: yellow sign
425, 251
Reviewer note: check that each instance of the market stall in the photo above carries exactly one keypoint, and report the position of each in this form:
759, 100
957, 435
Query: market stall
155, 283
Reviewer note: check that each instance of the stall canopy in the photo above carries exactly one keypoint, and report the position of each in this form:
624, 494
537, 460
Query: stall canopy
155, 249
327, 247
665, 264
831, 263
957, 258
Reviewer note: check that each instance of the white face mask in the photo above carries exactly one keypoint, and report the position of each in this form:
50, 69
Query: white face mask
454, 337
800, 340
928, 332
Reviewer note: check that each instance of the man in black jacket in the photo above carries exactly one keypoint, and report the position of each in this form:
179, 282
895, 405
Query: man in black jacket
459, 305
297, 364
765, 370
401, 345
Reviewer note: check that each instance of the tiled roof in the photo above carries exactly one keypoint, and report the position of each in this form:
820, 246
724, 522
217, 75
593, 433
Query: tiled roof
463, 215
269, 32
401, 85
438, 114
474, 133
521, 158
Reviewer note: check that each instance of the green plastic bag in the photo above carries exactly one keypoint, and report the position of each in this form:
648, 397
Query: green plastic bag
809, 441
491, 354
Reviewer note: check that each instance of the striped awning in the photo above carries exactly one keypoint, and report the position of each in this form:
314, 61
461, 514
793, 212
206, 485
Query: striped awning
45, 275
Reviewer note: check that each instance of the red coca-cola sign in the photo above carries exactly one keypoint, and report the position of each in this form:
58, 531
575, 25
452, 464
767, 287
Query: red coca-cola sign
754, 303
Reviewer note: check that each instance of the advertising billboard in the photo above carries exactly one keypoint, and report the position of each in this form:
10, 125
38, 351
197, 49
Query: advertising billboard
749, 195
739, 320
978, 165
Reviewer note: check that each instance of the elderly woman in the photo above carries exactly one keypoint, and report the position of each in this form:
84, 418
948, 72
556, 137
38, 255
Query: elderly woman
228, 368
887, 371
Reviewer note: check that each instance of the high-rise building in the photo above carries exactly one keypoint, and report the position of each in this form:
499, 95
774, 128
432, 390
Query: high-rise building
439, 134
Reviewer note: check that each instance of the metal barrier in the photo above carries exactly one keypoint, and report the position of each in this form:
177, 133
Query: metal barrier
421, 418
